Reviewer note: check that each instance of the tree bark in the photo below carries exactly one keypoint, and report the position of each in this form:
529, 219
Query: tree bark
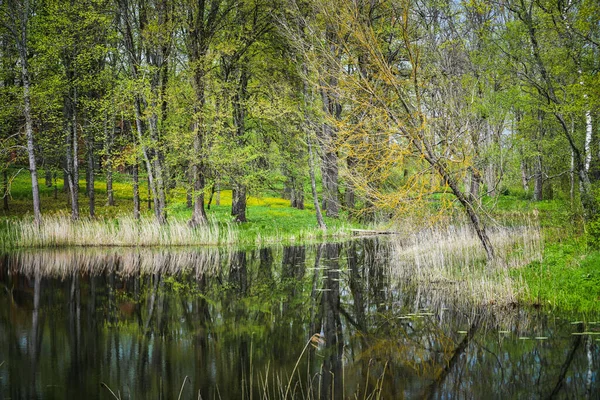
22, 44
136, 191
329, 157
5, 190
90, 173
72, 154
109, 137
313, 185
538, 179
138, 102
588, 200
48, 177
238, 205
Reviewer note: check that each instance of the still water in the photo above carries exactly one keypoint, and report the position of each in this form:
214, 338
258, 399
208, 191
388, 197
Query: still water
308, 322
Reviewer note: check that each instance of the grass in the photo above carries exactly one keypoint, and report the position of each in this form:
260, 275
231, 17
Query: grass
568, 277
563, 274
450, 263
270, 220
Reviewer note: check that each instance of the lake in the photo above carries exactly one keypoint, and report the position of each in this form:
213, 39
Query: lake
329, 321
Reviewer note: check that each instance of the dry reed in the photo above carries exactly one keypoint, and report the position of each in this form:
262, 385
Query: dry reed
451, 263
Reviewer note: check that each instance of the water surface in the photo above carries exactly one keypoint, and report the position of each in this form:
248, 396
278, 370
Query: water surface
235, 324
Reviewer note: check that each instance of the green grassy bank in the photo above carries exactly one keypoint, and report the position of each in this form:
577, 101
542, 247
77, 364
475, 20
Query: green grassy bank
567, 277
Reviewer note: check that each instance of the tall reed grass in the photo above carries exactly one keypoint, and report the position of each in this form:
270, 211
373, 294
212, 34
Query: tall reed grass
62, 263
451, 262
61, 231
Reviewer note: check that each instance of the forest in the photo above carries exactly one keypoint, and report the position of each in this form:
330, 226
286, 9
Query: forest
378, 114
311, 199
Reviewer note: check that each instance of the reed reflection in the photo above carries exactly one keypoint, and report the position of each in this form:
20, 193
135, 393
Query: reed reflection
237, 324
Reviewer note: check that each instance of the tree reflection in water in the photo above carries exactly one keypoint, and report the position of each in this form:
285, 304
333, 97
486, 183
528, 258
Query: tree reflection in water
235, 322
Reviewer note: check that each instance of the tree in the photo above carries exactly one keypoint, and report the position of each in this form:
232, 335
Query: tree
204, 19
16, 16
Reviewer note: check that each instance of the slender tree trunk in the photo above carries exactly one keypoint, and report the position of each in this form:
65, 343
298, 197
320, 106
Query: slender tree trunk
37, 214
238, 206
66, 179
572, 179
588, 140
149, 194
329, 167
329, 157
90, 173
311, 165
199, 214
475, 183
349, 194
538, 173
133, 64
218, 195
74, 159
538, 179
588, 201
313, 185
5, 190
48, 177
524, 176
55, 179
198, 168
159, 181
136, 190
109, 137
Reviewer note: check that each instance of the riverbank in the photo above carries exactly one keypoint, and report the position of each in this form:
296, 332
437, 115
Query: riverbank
563, 274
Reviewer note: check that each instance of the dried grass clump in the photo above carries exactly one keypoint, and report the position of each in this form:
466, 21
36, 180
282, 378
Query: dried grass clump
59, 231
451, 262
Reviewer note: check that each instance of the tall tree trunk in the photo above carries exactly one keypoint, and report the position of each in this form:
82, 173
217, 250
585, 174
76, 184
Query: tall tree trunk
311, 161
48, 177
538, 173
538, 179
588, 140
349, 194
475, 183
329, 158
198, 168
72, 157
5, 190
136, 190
149, 194
109, 137
313, 185
199, 214
572, 180
23, 49
238, 204
128, 41
588, 201
157, 166
90, 173
524, 176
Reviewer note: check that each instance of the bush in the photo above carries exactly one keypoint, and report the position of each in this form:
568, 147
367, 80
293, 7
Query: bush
593, 233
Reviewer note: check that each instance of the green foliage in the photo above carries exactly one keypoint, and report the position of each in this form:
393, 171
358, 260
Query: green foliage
568, 278
593, 233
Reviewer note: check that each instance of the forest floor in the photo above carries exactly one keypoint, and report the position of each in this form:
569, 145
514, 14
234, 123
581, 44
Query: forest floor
567, 277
